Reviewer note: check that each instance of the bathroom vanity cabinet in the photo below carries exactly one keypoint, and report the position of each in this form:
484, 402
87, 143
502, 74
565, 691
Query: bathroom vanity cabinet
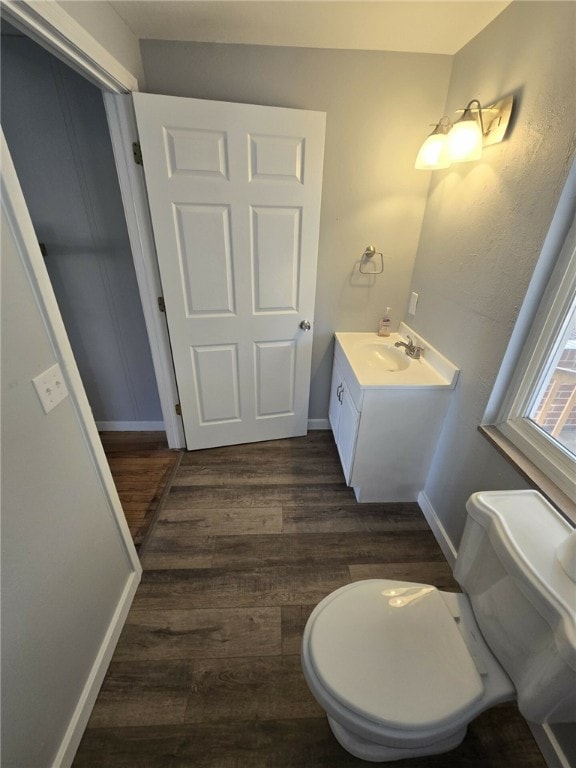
386, 428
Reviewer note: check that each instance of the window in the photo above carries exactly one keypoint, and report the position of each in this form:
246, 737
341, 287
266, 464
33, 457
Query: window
554, 407
539, 412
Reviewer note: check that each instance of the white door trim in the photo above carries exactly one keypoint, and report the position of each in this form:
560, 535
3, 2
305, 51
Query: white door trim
123, 132
48, 24
51, 27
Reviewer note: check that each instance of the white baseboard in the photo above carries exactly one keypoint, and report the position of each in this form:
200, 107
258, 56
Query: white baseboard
81, 714
318, 424
548, 743
438, 529
130, 426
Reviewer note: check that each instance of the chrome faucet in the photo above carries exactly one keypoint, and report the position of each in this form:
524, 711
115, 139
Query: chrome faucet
411, 349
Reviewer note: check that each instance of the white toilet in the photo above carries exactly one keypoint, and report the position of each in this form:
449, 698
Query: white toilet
402, 668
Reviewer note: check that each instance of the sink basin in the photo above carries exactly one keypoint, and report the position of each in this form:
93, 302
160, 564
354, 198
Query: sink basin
375, 362
384, 356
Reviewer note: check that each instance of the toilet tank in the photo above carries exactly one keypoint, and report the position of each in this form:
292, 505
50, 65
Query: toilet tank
523, 599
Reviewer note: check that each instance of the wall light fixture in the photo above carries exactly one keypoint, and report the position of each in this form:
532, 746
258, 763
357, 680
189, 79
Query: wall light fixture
463, 140
434, 152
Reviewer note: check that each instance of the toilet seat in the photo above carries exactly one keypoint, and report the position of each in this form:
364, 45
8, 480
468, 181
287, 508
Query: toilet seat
391, 652
357, 628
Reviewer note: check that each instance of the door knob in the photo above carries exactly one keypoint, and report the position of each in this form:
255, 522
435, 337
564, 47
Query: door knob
305, 325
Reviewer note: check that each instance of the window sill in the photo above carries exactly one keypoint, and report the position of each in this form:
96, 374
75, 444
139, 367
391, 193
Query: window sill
529, 471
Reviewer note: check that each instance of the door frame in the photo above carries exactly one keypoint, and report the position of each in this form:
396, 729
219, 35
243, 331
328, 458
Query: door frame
48, 24
123, 132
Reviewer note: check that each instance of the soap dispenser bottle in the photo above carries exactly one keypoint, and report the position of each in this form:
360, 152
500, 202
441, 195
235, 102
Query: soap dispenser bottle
384, 326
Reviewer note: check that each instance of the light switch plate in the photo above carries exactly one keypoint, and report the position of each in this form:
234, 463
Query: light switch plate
50, 387
413, 303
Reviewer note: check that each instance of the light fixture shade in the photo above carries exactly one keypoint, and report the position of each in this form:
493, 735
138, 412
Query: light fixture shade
434, 152
465, 139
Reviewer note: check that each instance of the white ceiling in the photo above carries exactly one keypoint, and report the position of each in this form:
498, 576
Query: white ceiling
422, 26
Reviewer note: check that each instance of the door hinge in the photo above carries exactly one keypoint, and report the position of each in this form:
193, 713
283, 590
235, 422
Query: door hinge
178, 409
161, 304
137, 152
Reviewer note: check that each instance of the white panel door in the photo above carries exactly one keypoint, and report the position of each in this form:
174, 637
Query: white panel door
234, 193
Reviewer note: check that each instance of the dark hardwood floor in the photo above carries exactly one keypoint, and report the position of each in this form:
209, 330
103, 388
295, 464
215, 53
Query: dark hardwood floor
142, 466
207, 670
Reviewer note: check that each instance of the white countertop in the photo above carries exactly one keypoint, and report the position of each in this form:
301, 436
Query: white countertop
374, 361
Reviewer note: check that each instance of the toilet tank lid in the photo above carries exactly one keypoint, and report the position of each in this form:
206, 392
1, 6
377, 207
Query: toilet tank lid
392, 652
526, 531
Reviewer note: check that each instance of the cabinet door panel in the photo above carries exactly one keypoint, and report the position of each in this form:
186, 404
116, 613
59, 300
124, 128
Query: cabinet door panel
335, 407
347, 432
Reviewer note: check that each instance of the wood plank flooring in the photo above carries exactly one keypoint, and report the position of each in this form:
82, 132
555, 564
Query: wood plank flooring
207, 670
142, 466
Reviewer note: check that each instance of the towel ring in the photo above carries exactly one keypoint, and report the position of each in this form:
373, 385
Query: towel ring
367, 256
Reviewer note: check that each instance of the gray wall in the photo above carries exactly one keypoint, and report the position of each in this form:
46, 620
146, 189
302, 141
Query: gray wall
66, 569
378, 107
484, 227
55, 125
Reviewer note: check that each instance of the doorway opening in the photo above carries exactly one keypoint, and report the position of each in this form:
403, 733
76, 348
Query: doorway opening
55, 125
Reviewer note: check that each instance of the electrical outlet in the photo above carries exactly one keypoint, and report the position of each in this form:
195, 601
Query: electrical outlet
413, 303
50, 388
